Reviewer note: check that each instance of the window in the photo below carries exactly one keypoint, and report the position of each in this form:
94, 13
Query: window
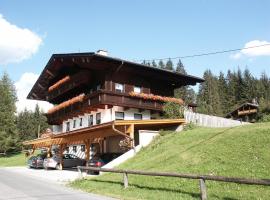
98, 87
119, 115
90, 120
119, 87
137, 116
68, 127
81, 121
137, 89
74, 123
67, 149
75, 149
82, 148
98, 118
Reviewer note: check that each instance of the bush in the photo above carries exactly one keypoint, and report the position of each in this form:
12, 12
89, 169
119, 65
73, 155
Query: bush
265, 118
189, 126
173, 110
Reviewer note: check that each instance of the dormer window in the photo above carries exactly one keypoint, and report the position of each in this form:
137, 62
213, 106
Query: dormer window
119, 87
137, 89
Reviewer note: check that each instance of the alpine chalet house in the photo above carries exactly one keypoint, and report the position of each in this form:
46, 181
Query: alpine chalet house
102, 103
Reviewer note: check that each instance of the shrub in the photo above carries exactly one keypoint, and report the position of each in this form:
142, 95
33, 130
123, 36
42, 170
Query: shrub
265, 118
189, 126
173, 110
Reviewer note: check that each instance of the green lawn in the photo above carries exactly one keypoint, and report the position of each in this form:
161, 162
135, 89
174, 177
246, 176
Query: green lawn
241, 152
13, 160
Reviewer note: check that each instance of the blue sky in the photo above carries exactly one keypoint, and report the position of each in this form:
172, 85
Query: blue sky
143, 30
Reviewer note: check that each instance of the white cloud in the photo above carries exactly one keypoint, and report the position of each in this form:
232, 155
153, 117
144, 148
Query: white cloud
23, 87
252, 52
16, 44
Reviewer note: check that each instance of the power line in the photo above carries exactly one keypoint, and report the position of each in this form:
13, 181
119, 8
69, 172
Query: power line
203, 54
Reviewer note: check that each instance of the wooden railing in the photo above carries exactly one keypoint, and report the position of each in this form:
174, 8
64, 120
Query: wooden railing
202, 178
100, 98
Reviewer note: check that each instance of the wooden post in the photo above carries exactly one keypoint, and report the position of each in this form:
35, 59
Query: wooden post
33, 151
49, 151
80, 176
87, 150
203, 194
61, 157
130, 130
125, 180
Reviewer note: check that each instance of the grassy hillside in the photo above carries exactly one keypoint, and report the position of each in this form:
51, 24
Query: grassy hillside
241, 152
13, 160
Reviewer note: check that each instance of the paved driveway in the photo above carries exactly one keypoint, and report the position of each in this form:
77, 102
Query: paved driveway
18, 183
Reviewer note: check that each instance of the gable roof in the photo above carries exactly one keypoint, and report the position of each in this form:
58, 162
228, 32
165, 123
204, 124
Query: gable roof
91, 60
256, 106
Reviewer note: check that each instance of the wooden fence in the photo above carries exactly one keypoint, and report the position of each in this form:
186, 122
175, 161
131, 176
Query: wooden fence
210, 121
201, 178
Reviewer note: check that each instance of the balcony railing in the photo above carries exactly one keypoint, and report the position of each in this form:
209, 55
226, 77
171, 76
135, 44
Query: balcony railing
98, 100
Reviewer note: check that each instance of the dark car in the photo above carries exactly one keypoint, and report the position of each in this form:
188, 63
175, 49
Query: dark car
36, 161
101, 160
95, 162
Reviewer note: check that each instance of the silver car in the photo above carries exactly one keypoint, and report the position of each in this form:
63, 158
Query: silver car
69, 160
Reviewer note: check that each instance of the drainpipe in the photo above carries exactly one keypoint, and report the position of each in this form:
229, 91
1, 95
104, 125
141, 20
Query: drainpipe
120, 132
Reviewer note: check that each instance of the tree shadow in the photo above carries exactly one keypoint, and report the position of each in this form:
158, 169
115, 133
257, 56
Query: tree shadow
192, 194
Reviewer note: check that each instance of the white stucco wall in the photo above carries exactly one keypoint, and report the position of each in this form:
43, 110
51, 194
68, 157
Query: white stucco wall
107, 115
146, 136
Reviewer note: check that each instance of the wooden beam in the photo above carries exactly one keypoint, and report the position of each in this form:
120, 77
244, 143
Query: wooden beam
245, 112
61, 156
150, 121
50, 73
87, 150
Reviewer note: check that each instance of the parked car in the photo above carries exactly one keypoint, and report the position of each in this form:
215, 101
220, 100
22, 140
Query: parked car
36, 161
95, 162
69, 160
100, 160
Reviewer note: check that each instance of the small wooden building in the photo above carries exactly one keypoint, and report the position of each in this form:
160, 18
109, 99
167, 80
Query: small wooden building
247, 112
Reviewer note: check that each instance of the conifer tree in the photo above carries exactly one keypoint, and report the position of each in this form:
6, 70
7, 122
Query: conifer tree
169, 65
161, 65
154, 64
223, 93
180, 67
8, 131
31, 124
184, 92
209, 100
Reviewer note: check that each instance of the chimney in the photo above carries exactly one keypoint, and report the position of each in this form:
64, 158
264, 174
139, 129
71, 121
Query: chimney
102, 52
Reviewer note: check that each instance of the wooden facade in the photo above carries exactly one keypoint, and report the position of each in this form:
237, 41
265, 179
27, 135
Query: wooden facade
78, 84
246, 112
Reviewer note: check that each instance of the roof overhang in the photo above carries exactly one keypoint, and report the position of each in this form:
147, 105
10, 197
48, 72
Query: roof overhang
117, 127
93, 61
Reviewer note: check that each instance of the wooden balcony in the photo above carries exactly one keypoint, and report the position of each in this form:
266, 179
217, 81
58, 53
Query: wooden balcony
74, 83
100, 99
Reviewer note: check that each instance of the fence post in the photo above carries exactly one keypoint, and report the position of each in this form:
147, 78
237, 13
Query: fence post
80, 175
125, 179
203, 194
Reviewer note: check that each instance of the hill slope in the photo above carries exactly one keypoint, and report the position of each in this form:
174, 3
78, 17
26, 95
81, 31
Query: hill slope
240, 152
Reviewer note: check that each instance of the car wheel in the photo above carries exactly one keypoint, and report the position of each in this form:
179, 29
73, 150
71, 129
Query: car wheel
58, 167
